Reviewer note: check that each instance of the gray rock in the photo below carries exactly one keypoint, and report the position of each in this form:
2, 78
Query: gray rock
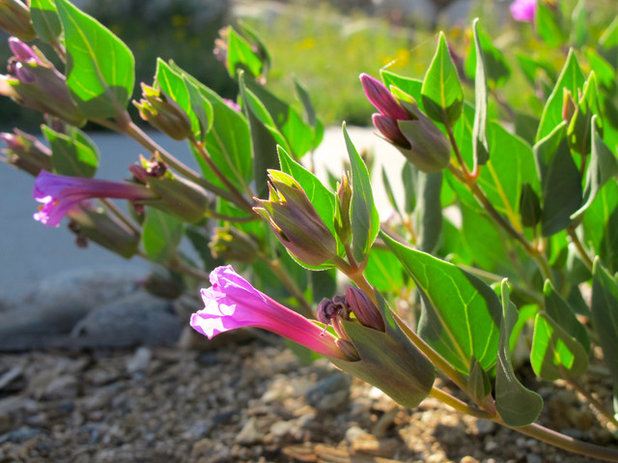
138, 364
330, 393
533, 458
57, 303
136, 319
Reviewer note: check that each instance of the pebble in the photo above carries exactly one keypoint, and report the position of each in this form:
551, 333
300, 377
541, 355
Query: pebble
533, 458
250, 433
484, 427
139, 362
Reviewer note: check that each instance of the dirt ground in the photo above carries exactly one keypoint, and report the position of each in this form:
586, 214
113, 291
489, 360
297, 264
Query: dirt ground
244, 402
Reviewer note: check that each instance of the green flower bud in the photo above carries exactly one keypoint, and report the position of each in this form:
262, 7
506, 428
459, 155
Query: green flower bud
163, 113
15, 20
229, 243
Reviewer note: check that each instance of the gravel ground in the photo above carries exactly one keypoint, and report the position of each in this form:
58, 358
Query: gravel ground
249, 402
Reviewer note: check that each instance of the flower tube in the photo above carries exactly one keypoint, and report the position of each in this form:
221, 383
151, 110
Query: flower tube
231, 302
60, 193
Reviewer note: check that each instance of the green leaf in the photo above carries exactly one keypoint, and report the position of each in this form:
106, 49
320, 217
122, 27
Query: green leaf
408, 178
73, 154
461, 314
560, 181
161, 235
442, 93
45, 20
605, 319
601, 225
321, 197
389, 360
480, 148
479, 385
517, 405
579, 28
497, 68
564, 315
202, 109
412, 87
240, 55
323, 284
173, 84
364, 215
572, 78
555, 354
548, 24
100, 67
384, 271
199, 239
428, 210
603, 167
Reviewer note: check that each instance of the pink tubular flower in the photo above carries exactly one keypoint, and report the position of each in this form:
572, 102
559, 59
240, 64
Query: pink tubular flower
60, 193
523, 10
231, 302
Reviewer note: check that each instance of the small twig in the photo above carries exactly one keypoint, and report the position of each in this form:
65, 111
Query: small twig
579, 247
114, 210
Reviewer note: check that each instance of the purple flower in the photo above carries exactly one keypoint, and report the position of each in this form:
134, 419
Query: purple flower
523, 10
231, 302
60, 193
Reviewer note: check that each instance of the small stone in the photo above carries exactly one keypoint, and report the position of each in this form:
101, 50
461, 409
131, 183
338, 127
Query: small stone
250, 433
490, 446
139, 362
484, 427
533, 458
468, 459
282, 428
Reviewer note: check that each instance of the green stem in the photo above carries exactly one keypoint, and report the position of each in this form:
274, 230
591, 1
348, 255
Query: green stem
464, 168
230, 218
565, 442
457, 404
579, 247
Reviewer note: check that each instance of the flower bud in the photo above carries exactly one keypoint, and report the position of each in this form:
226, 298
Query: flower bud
365, 310
343, 224
296, 222
568, 105
163, 113
229, 243
529, 206
34, 82
26, 152
15, 20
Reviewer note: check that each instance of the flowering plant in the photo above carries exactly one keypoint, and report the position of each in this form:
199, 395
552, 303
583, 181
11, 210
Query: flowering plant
502, 235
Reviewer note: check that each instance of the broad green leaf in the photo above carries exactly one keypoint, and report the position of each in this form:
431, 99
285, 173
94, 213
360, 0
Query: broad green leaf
601, 225
572, 78
240, 55
579, 27
529, 206
45, 20
321, 197
517, 405
497, 68
579, 128
323, 284
605, 319
384, 271
535, 68
548, 21
428, 210
480, 147
605, 72
100, 67
364, 215
603, 167
161, 234
461, 314
560, 181
172, 83
555, 354
202, 109
609, 42
479, 386
73, 154
389, 360
564, 315
442, 93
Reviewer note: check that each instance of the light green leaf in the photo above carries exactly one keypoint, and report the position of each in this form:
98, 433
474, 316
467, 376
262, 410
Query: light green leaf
548, 21
442, 93
461, 314
412, 87
572, 78
240, 56
497, 68
564, 315
383, 271
45, 20
364, 215
161, 235
517, 405
73, 154
172, 83
100, 67
428, 211
480, 147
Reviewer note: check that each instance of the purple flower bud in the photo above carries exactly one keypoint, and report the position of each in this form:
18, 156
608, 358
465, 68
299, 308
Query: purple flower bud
163, 113
15, 19
390, 130
24, 75
22, 51
523, 10
382, 99
365, 310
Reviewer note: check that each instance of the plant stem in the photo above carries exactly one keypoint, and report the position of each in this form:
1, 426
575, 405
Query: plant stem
594, 403
112, 207
230, 218
580, 247
565, 442
292, 287
457, 404
464, 168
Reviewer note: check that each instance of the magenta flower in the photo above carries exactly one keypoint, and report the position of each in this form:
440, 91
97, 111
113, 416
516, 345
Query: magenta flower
60, 193
231, 302
523, 10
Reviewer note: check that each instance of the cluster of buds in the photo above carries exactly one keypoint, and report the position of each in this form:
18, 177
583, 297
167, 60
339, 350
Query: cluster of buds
163, 113
15, 20
405, 126
33, 81
175, 195
26, 152
355, 304
295, 221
